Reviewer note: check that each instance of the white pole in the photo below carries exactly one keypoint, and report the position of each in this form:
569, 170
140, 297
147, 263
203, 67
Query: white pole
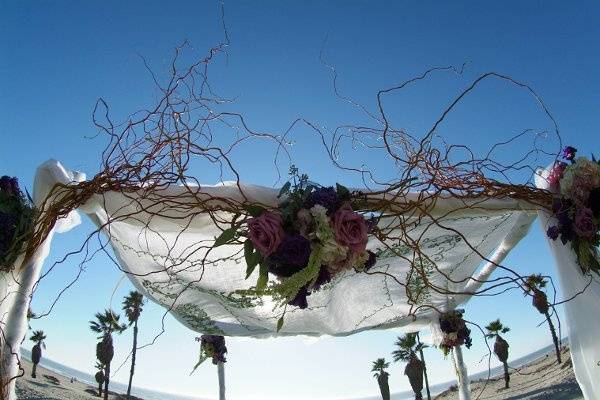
221, 372
464, 389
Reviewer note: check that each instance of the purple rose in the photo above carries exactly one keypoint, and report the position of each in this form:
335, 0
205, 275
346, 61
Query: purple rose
300, 299
290, 257
556, 174
266, 232
553, 232
325, 196
371, 260
9, 185
594, 202
323, 278
569, 153
350, 229
584, 224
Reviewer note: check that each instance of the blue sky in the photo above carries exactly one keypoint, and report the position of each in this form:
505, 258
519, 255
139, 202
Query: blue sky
57, 58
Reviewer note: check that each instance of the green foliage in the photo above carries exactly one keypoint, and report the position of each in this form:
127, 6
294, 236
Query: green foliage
379, 367
133, 306
226, 236
495, 328
107, 323
38, 336
535, 282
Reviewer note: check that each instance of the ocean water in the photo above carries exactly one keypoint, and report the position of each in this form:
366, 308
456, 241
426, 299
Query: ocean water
155, 395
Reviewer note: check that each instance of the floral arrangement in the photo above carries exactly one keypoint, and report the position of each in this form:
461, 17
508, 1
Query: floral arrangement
211, 346
313, 235
577, 206
16, 220
455, 331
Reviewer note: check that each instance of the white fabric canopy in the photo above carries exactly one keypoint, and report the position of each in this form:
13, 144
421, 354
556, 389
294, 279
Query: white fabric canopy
581, 311
164, 257
170, 265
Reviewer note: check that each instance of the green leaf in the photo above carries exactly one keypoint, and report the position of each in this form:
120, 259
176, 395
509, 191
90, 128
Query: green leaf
342, 191
280, 323
263, 277
254, 209
226, 236
285, 189
252, 257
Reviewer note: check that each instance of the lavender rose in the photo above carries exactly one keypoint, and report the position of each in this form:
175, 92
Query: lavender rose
266, 232
584, 224
350, 229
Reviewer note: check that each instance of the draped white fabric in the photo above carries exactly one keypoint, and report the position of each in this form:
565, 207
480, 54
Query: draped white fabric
17, 284
581, 312
166, 259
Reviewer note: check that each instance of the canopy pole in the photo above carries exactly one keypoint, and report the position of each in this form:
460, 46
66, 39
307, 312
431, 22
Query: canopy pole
464, 389
221, 372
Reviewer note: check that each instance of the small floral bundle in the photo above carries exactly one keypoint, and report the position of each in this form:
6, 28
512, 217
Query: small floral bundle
577, 207
211, 346
16, 220
313, 235
455, 331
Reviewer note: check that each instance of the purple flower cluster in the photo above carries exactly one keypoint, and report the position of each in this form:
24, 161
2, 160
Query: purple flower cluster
214, 346
455, 331
290, 257
9, 186
285, 238
578, 209
569, 153
15, 216
325, 196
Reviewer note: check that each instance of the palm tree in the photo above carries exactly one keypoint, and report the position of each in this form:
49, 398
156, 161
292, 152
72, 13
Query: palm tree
379, 367
494, 329
132, 305
99, 377
533, 286
406, 352
36, 351
106, 323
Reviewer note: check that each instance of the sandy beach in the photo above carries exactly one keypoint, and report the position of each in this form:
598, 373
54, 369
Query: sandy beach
52, 386
541, 379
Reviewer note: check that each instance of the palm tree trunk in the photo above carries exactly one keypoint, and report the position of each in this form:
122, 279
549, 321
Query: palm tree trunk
221, 373
384, 386
33, 370
133, 351
506, 375
424, 369
100, 389
106, 380
554, 337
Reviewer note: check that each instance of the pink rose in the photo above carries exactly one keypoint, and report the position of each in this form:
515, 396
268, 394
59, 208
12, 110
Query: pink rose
266, 232
350, 229
584, 224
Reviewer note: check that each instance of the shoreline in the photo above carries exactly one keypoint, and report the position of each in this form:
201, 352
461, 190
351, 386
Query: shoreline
540, 378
